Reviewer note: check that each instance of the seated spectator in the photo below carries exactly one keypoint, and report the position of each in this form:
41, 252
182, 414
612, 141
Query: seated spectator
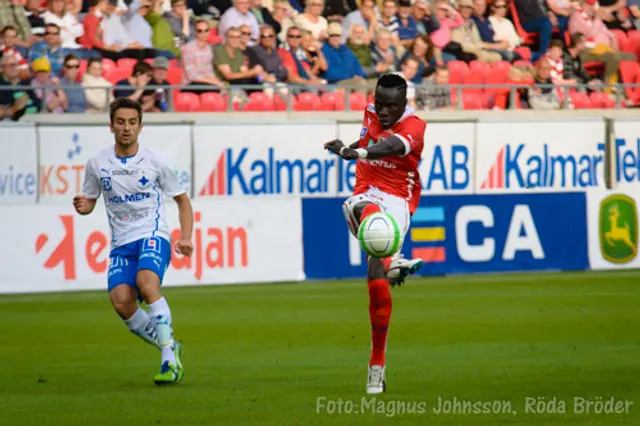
229, 61
602, 44
342, 65
47, 88
70, 28
76, 99
283, 15
134, 87
265, 55
293, 56
445, 49
503, 28
34, 11
573, 68
555, 59
10, 37
163, 36
50, 48
559, 13
263, 15
362, 51
614, 14
181, 22
436, 95
160, 71
116, 31
312, 57
245, 37
336, 10
426, 20
543, 97
14, 101
422, 48
93, 37
407, 27
237, 16
469, 37
312, 19
534, 18
487, 35
408, 70
384, 54
197, 59
365, 15
388, 20
97, 89
14, 15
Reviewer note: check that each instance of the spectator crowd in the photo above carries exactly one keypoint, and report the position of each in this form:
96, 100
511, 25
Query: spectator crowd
76, 55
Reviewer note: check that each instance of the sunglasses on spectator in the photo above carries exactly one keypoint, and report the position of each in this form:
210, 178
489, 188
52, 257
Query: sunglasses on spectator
268, 35
202, 30
72, 66
500, 6
246, 33
294, 36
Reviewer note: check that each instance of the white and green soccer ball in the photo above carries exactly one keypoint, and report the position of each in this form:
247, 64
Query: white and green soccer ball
379, 235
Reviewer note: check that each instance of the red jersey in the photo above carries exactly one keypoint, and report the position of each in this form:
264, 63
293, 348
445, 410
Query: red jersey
398, 174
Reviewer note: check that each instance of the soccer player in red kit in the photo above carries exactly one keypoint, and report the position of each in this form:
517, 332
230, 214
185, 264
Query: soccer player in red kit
388, 153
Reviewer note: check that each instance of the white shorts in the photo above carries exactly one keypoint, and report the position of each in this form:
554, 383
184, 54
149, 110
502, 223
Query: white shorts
395, 206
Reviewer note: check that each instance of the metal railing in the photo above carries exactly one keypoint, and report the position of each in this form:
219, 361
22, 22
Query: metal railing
286, 92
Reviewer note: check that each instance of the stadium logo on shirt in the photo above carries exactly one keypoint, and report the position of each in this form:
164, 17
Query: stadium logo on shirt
106, 184
618, 229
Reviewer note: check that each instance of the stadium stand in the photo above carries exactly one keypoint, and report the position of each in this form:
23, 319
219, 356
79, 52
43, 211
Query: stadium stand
256, 89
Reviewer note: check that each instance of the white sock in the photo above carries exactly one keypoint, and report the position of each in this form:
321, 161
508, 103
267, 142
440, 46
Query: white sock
140, 324
161, 317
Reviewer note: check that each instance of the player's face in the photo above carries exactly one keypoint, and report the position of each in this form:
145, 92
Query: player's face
126, 126
390, 105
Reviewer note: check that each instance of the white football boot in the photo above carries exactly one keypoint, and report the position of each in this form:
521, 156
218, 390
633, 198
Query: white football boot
375, 381
401, 268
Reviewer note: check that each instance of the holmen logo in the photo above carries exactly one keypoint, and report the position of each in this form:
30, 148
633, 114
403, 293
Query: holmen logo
428, 240
618, 229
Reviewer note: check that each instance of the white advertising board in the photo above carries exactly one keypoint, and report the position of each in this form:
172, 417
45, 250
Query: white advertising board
235, 241
18, 165
64, 151
265, 159
553, 156
612, 217
447, 157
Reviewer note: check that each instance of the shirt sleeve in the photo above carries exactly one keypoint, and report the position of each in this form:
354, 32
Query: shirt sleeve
366, 121
412, 135
167, 178
91, 187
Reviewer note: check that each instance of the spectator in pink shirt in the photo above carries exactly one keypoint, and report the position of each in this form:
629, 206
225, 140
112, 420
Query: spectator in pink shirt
602, 45
197, 59
445, 49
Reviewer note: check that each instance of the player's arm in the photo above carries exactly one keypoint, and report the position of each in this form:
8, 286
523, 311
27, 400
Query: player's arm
85, 202
185, 213
393, 145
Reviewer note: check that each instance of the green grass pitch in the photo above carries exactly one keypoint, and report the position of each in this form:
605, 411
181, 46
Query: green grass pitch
288, 354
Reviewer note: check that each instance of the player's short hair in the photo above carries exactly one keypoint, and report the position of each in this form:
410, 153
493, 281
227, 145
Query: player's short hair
392, 81
124, 103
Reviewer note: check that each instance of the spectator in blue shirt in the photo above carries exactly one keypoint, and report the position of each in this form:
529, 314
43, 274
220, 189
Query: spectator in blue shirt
487, 35
342, 65
407, 26
76, 99
50, 48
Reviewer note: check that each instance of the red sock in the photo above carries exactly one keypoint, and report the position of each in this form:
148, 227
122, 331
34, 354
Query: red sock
366, 211
380, 314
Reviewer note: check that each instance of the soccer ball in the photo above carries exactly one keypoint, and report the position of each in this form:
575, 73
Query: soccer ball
379, 235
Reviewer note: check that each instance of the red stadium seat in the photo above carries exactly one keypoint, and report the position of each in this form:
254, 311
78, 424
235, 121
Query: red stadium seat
117, 74
480, 66
332, 101
174, 63
357, 101
471, 101
601, 100
212, 102
82, 70
630, 72
307, 102
280, 104
475, 77
527, 38
107, 66
458, 66
187, 102
126, 63
256, 105
623, 41
174, 76
580, 100
524, 52
263, 99
634, 42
